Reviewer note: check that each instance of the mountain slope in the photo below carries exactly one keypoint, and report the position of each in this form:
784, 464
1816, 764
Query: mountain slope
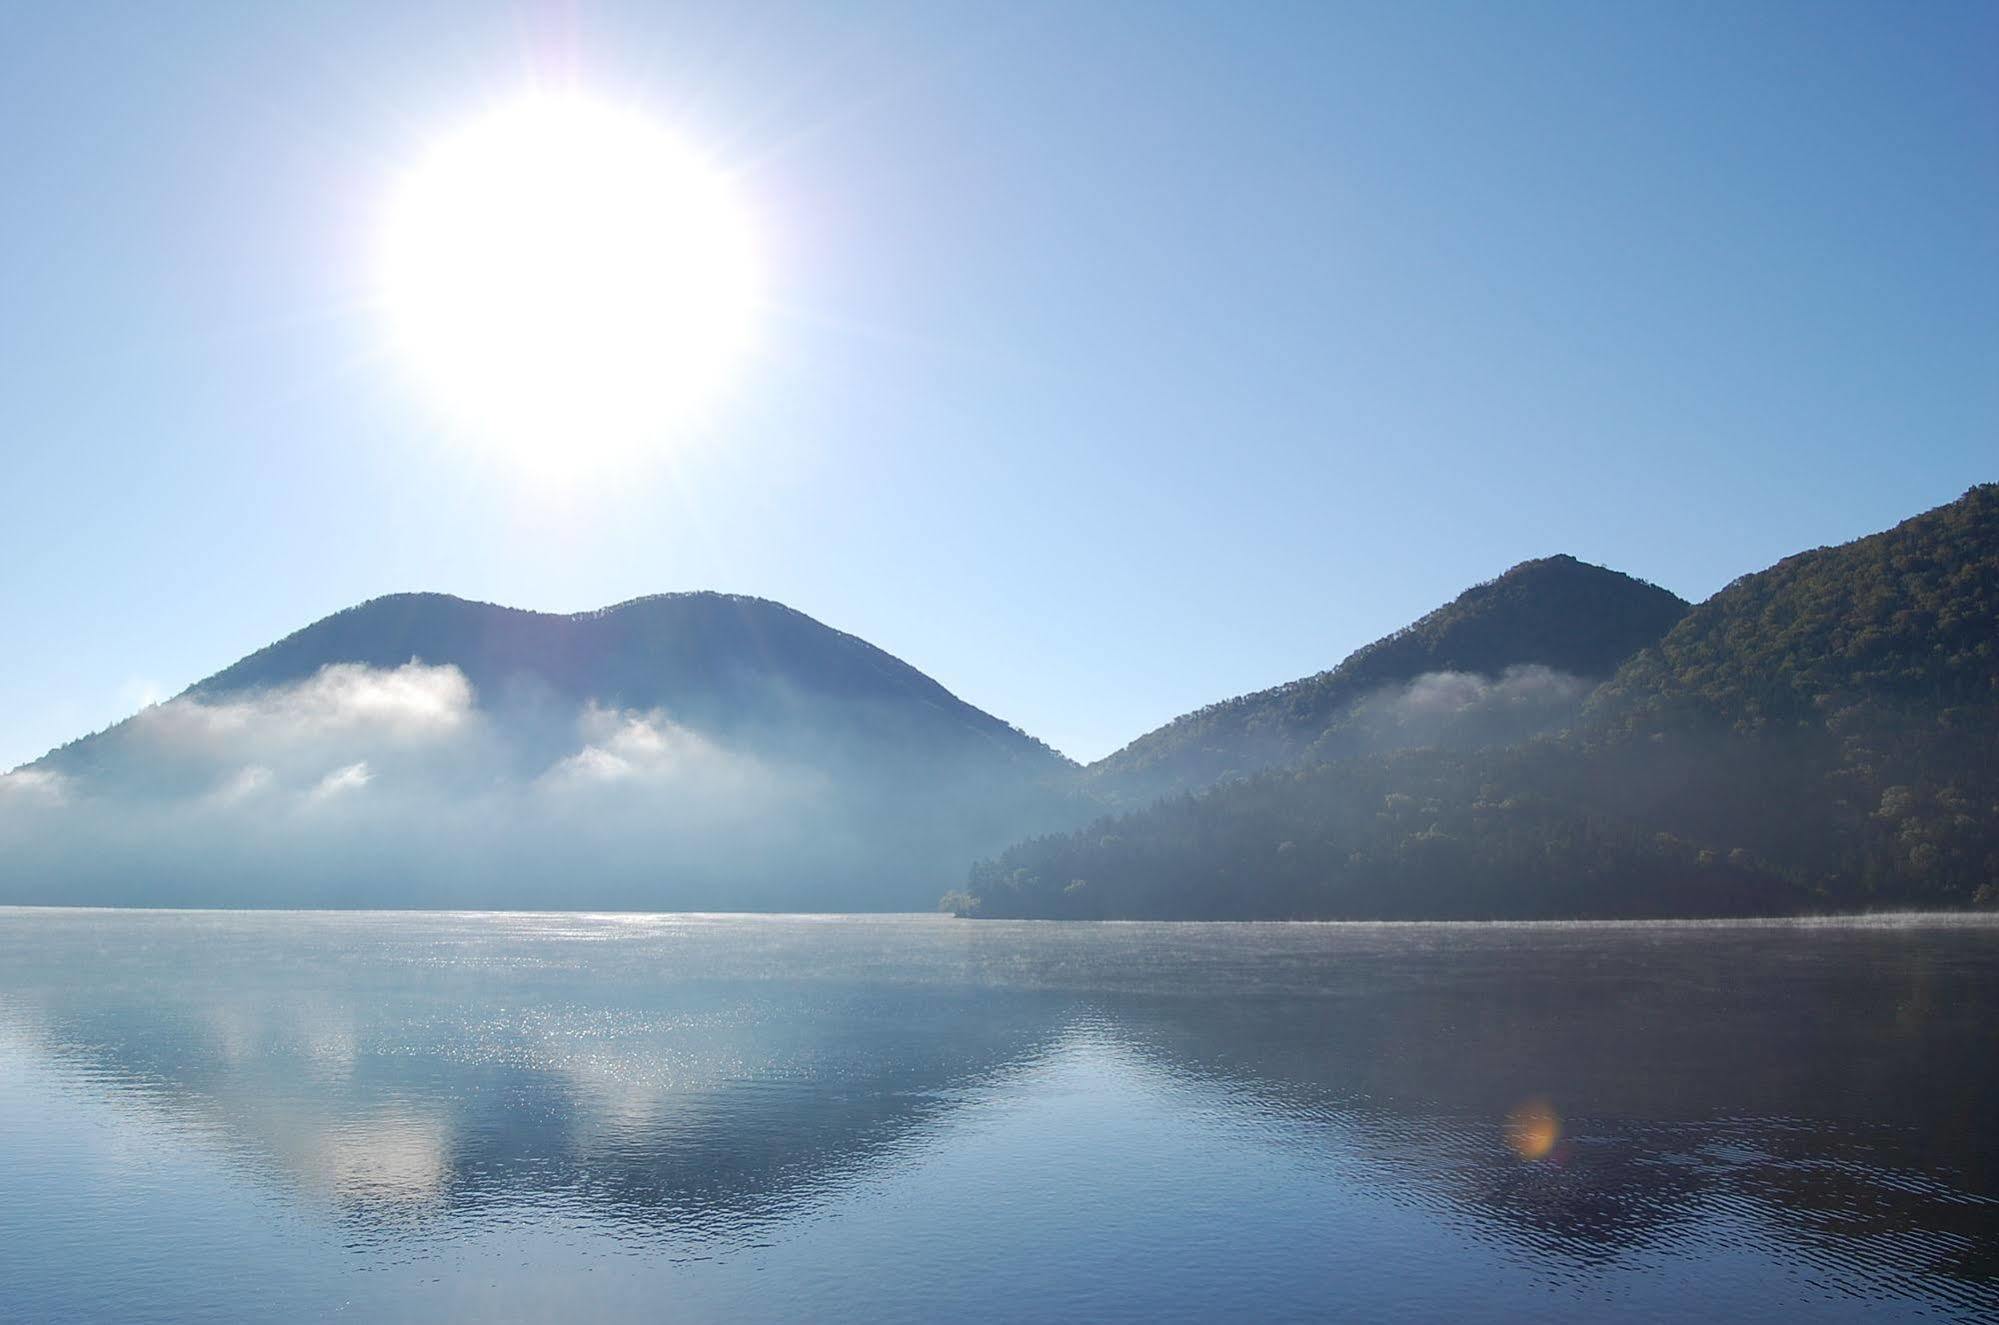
1822, 734
682, 751
1559, 614
1836, 714
714, 662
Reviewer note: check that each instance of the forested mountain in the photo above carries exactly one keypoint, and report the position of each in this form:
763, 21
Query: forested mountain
1503, 661
700, 751
1820, 735
1836, 715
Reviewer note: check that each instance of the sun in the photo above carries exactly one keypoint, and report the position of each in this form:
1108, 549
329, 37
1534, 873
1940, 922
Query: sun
570, 281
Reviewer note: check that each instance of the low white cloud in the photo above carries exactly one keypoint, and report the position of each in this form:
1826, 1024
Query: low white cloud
1466, 709
623, 745
1442, 693
341, 781
411, 704
359, 784
629, 747
26, 787
246, 783
305, 737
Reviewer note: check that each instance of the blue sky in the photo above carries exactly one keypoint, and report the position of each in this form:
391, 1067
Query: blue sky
1121, 357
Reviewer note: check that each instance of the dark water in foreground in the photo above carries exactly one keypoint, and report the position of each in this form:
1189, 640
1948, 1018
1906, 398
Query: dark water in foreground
264, 1116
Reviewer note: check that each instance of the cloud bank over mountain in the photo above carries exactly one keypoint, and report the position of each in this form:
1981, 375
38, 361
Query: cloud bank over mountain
362, 782
685, 751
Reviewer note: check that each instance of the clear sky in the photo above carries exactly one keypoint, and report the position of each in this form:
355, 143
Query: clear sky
1118, 358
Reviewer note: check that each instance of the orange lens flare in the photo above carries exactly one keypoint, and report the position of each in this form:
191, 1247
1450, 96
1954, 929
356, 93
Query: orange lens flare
1532, 1129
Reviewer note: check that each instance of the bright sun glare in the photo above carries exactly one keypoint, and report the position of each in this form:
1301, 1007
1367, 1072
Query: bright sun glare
569, 280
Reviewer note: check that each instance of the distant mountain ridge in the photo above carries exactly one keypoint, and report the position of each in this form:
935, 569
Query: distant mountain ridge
700, 656
1563, 740
1556, 612
1821, 735
681, 751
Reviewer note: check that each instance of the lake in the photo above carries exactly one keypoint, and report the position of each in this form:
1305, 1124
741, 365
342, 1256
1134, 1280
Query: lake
283, 1115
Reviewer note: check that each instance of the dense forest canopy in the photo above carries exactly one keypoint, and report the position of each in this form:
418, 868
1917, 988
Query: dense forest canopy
1820, 735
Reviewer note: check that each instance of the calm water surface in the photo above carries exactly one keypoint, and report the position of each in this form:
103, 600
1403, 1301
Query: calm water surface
395, 1116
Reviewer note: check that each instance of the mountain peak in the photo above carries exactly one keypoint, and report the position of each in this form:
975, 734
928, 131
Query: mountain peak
1557, 612
711, 660
702, 750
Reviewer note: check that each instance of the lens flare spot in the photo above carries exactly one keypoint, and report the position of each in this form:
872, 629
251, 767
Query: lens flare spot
1533, 1128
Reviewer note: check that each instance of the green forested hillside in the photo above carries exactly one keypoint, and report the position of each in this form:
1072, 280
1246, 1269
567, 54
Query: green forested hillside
1573, 621
1837, 714
1820, 735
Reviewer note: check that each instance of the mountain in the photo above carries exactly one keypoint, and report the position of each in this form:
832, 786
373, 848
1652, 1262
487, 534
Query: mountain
716, 663
1504, 660
1836, 715
685, 750
1823, 734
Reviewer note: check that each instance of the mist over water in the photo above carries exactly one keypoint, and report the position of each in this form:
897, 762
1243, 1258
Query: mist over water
275, 1115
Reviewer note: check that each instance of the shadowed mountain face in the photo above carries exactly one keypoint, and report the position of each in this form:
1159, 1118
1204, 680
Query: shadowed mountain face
689, 750
1501, 662
1821, 734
